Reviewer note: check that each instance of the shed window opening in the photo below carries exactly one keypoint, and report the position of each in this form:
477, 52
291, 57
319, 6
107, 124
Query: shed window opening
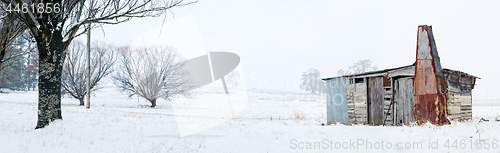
359, 80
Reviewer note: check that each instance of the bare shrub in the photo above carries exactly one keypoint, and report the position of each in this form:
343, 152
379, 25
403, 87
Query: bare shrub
74, 74
152, 73
299, 115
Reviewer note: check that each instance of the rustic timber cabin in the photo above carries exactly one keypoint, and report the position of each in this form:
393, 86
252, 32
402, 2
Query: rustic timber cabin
387, 97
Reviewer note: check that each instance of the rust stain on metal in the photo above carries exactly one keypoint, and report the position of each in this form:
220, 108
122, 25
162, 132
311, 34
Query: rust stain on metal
387, 81
430, 88
422, 110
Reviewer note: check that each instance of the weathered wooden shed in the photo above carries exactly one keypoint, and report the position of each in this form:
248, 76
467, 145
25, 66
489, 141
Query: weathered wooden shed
421, 92
387, 97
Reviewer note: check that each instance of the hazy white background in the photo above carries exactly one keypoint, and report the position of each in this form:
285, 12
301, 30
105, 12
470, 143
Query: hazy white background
278, 40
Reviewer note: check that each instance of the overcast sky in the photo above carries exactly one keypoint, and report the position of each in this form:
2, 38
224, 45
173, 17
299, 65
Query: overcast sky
278, 40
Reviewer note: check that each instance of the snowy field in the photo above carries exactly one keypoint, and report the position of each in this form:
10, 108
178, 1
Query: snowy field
210, 121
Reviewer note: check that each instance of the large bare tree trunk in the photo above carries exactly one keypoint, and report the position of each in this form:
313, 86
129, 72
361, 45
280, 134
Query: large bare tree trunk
51, 55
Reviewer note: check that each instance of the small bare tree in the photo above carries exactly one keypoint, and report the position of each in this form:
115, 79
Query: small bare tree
152, 73
311, 81
358, 67
74, 76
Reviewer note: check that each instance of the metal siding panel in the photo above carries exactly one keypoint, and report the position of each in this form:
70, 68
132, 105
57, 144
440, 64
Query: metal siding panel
336, 101
424, 75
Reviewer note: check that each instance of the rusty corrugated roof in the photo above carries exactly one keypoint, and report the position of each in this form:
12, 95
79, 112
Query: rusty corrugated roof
463, 73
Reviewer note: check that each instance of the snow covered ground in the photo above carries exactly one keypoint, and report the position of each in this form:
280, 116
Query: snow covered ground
210, 121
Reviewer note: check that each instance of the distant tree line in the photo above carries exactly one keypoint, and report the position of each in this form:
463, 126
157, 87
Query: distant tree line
18, 64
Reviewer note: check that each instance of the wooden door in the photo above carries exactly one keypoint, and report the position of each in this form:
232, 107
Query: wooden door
376, 101
404, 101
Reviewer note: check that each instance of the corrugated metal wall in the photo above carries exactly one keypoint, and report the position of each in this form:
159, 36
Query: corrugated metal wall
336, 101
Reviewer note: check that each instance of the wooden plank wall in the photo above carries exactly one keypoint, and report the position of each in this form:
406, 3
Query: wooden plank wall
397, 115
407, 84
376, 101
357, 103
350, 102
403, 101
387, 104
459, 104
387, 101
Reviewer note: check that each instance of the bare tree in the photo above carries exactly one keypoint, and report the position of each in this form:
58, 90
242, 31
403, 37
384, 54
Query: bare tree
152, 73
358, 67
74, 76
311, 81
55, 23
10, 31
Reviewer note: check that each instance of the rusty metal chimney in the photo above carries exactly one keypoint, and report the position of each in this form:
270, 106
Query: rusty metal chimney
429, 88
